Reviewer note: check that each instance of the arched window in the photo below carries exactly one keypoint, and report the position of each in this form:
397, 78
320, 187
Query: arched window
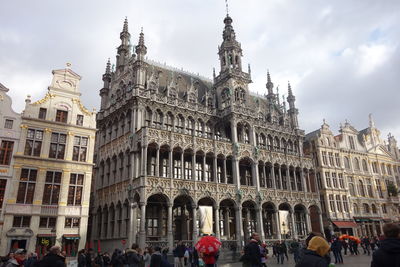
374, 211
246, 136
149, 117
158, 118
208, 131
345, 204
189, 126
180, 123
361, 190
355, 208
346, 162
270, 143
262, 140
328, 142
356, 164
277, 144
383, 169
283, 145
169, 122
199, 127
365, 165
384, 209
366, 208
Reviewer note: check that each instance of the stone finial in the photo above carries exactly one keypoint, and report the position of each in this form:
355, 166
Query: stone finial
125, 28
108, 67
371, 121
28, 99
68, 65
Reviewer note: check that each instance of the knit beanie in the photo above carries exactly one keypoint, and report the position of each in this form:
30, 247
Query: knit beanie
319, 245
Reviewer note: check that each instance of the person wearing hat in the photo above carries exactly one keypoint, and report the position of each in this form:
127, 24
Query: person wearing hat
315, 254
18, 259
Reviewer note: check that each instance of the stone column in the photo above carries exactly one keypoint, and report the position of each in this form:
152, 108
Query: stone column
235, 172
289, 179
321, 222
260, 228
239, 227
182, 166
142, 233
170, 236
157, 172
226, 223
265, 175
233, 131
194, 166
304, 181
217, 230
195, 229
308, 221
280, 177
144, 160
204, 167
215, 166
132, 223
294, 231
256, 178
224, 176
278, 225
273, 176
170, 164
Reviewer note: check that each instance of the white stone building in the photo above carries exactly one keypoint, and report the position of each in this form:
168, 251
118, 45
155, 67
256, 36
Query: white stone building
48, 200
9, 140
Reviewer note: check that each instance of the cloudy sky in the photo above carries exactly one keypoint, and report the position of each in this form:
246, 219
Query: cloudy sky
342, 57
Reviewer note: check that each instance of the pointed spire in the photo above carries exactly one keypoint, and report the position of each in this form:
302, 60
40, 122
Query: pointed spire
141, 49
269, 84
214, 73
249, 69
371, 121
290, 89
125, 28
108, 67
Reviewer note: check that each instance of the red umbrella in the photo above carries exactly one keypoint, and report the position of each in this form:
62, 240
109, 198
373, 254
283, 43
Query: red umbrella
208, 245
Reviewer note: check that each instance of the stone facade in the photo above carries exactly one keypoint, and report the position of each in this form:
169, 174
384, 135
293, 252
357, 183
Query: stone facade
178, 154
48, 200
354, 170
9, 140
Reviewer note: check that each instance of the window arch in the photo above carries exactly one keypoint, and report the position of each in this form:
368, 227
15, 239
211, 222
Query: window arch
149, 116
366, 208
356, 164
361, 188
346, 162
169, 122
365, 165
384, 209
189, 126
373, 207
355, 208
158, 118
199, 127
180, 123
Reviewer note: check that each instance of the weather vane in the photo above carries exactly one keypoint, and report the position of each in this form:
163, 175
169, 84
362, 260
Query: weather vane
227, 9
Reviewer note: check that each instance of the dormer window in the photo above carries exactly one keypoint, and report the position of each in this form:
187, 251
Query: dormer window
42, 113
351, 142
8, 124
79, 120
62, 116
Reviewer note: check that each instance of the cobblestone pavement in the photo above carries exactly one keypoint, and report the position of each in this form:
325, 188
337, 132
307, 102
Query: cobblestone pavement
351, 261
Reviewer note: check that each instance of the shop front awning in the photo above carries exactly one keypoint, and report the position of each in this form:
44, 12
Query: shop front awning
71, 236
345, 224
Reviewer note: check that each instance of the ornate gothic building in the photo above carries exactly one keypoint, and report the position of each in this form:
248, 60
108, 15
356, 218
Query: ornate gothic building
178, 155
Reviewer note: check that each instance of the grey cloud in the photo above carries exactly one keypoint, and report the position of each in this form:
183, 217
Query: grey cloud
315, 44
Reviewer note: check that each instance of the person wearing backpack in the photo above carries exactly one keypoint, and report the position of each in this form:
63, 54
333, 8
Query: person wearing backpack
132, 256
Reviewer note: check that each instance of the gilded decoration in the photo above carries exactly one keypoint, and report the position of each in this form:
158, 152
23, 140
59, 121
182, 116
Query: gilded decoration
47, 97
81, 107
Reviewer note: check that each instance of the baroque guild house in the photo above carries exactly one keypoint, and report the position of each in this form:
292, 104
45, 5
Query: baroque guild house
178, 155
354, 172
48, 199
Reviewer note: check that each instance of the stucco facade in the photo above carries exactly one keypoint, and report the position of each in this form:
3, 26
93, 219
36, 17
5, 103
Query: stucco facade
174, 148
9, 140
48, 200
354, 169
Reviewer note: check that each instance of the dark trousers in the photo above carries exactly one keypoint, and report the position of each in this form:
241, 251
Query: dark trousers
338, 256
280, 258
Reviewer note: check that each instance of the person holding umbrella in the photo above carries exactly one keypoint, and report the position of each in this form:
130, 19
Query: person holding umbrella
208, 249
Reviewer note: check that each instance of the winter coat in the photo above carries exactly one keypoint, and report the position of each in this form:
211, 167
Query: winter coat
336, 246
156, 259
11, 263
180, 251
252, 254
312, 259
52, 260
388, 254
132, 258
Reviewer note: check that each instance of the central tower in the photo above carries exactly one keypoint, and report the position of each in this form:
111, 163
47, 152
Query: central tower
231, 82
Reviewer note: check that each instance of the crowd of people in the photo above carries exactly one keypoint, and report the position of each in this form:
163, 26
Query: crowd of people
314, 251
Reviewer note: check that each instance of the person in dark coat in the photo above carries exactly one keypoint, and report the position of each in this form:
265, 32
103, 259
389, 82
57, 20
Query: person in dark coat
315, 255
345, 245
180, 254
252, 253
53, 258
336, 248
280, 250
156, 258
132, 258
388, 253
366, 245
82, 258
117, 259
106, 259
